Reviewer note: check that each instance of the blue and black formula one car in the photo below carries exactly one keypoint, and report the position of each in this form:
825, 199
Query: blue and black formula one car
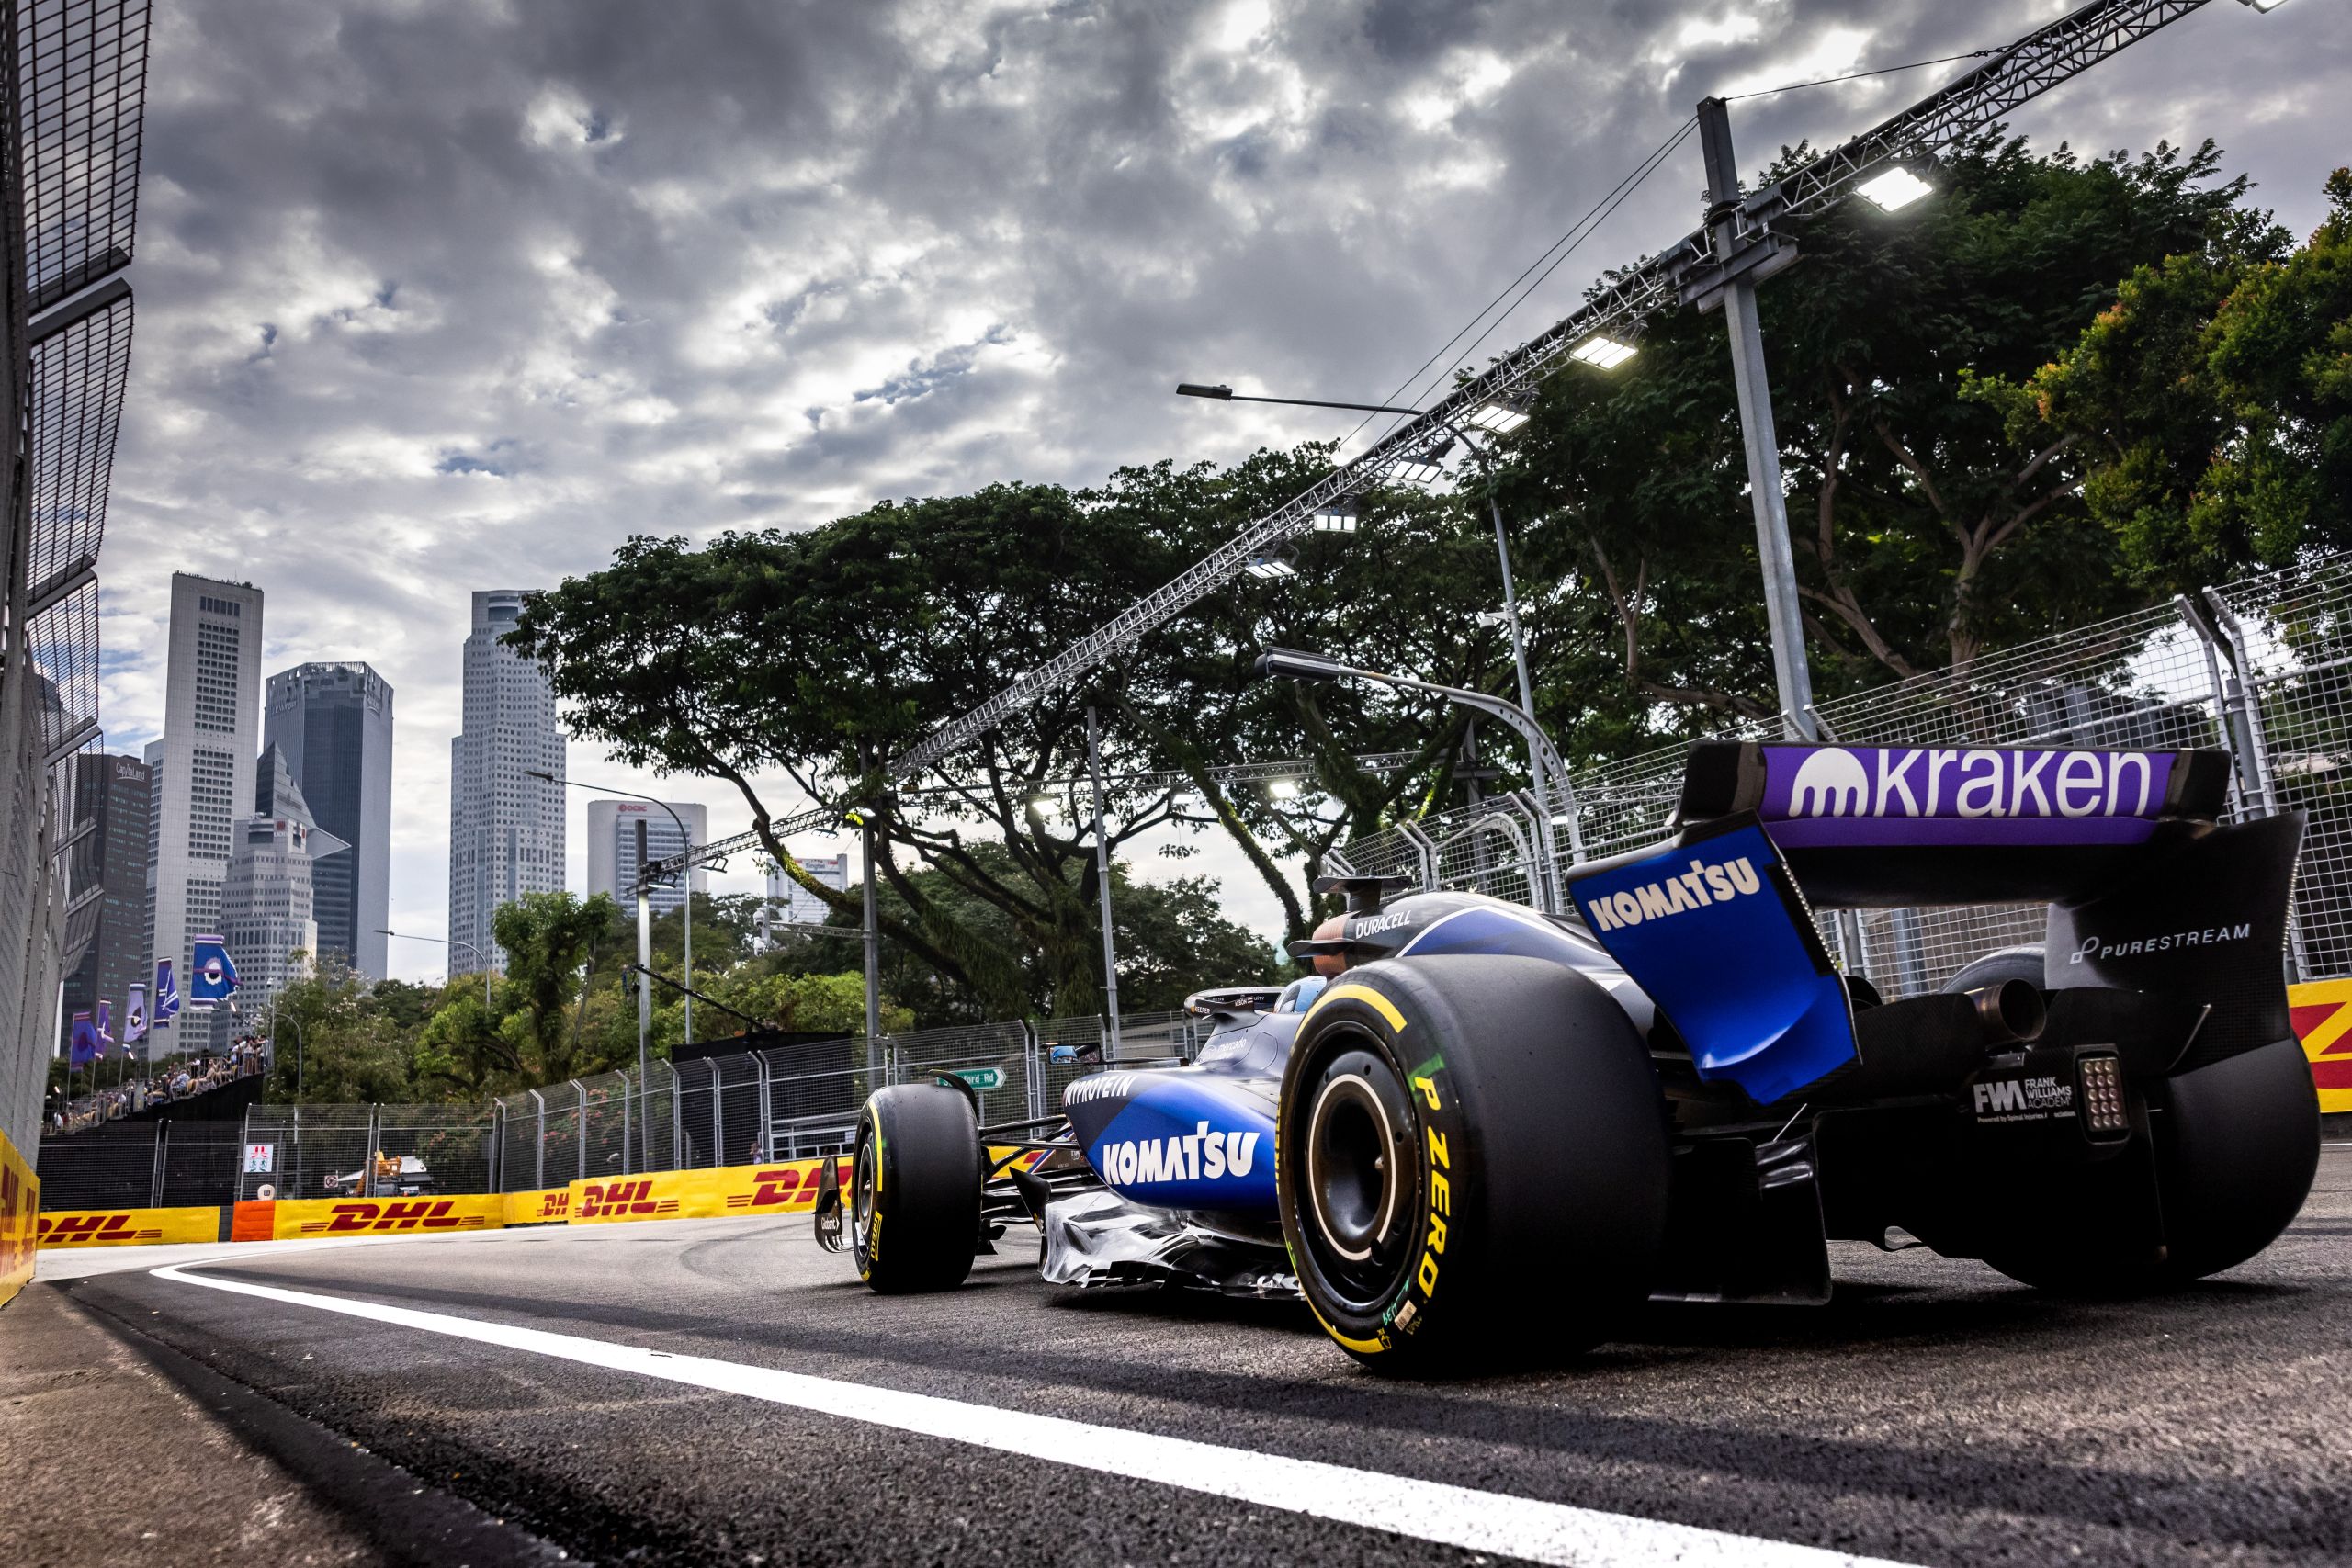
1485, 1131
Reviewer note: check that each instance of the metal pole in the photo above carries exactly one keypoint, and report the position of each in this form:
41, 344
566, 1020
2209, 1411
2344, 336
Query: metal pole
1765, 491
1103, 880
644, 953
873, 940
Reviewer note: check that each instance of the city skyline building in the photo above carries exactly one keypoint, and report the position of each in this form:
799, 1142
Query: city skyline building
612, 849
792, 902
110, 855
332, 721
201, 776
268, 901
505, 826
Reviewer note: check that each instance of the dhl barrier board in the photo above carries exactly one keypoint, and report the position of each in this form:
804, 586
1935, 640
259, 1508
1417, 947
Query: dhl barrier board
19, 1204
128, 1227
781, 1188
2323, 1014
290, 1218
546, 1206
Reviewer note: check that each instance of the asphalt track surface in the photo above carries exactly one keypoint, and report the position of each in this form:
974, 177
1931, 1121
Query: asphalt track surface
1935, 1412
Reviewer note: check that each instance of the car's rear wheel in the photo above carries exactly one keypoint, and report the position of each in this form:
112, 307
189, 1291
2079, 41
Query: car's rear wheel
915, 1184
1471, 1162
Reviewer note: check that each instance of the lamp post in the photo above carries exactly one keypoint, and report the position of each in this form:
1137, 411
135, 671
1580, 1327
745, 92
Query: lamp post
1291, 664
452, 942
1493, 420
686, 885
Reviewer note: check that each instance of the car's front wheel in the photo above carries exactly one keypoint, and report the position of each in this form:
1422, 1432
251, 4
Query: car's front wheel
914, 1199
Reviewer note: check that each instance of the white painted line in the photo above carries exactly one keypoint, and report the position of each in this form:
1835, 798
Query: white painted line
1423, 1510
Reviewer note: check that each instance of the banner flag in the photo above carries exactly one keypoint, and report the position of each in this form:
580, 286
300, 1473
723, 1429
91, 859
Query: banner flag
106, 1024
134, 1014
167, 996
214, 977
86, 1042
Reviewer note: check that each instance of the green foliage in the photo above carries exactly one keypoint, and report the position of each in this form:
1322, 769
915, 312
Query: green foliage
335, 1046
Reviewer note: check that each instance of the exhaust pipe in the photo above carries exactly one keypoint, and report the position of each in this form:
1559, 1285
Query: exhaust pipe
2010, 1013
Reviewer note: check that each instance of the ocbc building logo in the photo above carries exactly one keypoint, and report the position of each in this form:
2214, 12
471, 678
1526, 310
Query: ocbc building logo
422, 1214
611, 1200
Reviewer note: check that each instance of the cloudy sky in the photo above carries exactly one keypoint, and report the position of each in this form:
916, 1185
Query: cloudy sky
438, 297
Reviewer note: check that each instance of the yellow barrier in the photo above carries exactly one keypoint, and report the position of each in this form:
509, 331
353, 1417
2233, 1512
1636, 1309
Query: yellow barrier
548, 1206
128, 1227
2323, 1014
385, 1216
20, 1206
781, 1187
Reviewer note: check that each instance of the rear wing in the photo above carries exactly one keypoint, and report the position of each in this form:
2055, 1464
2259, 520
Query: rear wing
1885, 826
2147, 891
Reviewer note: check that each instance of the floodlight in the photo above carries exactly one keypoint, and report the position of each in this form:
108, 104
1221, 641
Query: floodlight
1602, 352
1270, 568
1337, 518
1041, 804
1282, 789
1500, 417
1895, 190
2265, 4
1426, 470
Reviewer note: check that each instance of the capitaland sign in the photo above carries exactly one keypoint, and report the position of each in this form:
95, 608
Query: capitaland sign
1839, 796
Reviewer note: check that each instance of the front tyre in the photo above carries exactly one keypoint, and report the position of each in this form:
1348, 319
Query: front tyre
914, 1200
1472, 1162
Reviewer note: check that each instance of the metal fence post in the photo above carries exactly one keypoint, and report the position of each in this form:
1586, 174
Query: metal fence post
539, 1144
155, 1177
2250, 707
2227, 720
579, 1125
625, 1128
368, 1154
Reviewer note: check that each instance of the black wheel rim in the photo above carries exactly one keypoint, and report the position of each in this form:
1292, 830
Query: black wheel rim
1356, 1178
861, 1181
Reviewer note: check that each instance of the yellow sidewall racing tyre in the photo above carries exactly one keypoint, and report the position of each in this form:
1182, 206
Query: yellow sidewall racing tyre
914, 1197
1471, 1162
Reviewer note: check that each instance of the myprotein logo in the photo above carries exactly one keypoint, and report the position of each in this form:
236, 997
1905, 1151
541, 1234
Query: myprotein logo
1887, 782
613, 1199
2097, 949
92, 1230
393, 1215
1717, 882
1099, 1086
1202, 1155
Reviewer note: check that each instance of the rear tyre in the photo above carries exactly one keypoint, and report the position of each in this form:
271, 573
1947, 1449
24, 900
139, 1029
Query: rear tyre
1472, 1162
915, 1189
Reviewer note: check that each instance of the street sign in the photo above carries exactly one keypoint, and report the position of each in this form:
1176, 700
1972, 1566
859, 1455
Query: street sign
260, 1158
982, 1078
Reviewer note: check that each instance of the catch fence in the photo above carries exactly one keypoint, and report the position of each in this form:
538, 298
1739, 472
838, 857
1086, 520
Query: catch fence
2262, 668
782, 1102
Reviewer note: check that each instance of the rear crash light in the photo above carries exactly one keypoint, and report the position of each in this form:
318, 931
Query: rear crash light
2099, 1098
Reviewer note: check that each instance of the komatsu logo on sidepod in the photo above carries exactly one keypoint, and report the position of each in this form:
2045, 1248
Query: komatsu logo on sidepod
1199, 1156
1702, 885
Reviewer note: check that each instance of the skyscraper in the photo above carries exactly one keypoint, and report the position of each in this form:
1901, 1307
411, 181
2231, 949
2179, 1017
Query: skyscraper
612, 847
506, 827
202, 774
333, 724
110, 862
787, 900
267, 905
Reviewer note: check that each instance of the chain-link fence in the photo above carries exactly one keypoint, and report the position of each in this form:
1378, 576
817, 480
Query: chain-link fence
2262, 668
782, 1102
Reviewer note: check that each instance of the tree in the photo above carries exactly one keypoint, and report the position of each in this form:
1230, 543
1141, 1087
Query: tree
349, 1052
1927, 522
550, 939
2211, 403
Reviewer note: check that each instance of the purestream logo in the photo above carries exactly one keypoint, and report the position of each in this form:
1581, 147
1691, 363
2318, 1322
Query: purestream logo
1199, 1156
1702, 885
1833, 781
2098, 949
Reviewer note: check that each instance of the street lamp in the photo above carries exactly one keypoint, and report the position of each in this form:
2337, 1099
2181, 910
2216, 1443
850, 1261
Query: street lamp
686, 881
1291, 664
1424, 470
1897, 188
451, 941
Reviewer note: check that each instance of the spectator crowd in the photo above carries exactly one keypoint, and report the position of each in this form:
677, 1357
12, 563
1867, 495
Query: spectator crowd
156, 1085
